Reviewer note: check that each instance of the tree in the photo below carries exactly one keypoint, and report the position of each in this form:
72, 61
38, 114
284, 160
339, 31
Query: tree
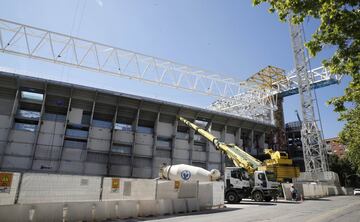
341, 166
340, 28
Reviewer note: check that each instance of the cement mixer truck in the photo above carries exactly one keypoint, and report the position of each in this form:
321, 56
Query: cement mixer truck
249, 177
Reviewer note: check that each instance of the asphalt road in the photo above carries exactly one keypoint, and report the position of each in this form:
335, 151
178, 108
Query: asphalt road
340, 208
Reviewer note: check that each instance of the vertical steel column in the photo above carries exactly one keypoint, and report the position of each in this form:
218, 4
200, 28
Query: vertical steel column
173, 140
223, 138
90, 129
155, 142
37, 131
11, 121
64, 131
112, 137
238, 138
135, 127
208, 144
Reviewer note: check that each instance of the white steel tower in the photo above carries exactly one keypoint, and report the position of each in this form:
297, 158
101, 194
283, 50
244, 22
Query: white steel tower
312, 142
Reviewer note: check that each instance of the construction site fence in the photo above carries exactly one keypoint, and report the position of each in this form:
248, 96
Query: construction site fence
55, 197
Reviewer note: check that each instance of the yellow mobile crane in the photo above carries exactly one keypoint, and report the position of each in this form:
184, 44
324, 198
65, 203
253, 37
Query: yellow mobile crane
279, 163
250, 178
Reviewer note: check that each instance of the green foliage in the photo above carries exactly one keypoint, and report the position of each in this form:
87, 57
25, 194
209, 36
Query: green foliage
341, 166
339, 28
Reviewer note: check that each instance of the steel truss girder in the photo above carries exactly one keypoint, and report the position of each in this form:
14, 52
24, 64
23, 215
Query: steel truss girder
24, 40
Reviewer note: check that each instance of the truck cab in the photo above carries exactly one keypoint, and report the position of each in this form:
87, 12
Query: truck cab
239, 184
265, 186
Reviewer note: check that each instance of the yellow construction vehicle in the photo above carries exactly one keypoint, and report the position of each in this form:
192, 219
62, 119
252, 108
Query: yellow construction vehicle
279, 162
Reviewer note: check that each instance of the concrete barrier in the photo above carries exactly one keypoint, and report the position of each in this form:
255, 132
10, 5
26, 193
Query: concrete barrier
315, 190
54, 197
49, 188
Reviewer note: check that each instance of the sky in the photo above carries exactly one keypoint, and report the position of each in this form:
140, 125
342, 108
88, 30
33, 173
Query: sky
228, 37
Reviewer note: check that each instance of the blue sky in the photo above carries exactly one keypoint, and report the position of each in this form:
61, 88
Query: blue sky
229, 37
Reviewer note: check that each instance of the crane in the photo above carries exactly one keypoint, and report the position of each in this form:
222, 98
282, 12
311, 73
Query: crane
312, 142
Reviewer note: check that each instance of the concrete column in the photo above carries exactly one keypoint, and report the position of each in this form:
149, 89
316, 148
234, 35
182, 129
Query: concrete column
252, 144
156, 125
173, 140
238, 138
108, 167
208, 145
36, 137
261, 142
223, 137
64, 131
135, 127
11, 122
191, 145
88, 139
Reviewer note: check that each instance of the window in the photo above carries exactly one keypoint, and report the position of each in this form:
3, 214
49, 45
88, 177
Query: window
28, 114
123, 127
120, 148
24, 126
261, 176
144, 129
31, 96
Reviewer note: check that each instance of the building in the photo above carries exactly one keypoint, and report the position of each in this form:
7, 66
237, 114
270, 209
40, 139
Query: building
56, 127
335, 147
294, 144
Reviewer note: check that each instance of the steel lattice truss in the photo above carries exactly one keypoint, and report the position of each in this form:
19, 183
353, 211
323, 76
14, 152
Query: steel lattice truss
242, 98
274, 83
63, 49
312, 142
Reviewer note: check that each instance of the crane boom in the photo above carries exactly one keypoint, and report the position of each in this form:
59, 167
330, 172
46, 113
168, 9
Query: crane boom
239, 157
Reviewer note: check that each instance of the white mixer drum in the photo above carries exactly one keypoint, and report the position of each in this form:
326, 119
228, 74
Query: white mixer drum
188, 173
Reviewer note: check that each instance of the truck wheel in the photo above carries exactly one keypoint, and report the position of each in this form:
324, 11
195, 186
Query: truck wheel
232, 197
258, 196
267, 199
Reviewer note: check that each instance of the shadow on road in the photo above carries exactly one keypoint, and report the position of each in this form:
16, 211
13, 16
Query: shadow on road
150, 218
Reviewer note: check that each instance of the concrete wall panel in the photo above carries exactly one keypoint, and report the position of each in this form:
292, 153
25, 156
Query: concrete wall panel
95, 168
123, 136
182, 144
71, 167
6, 106
100, 133
3, 134
12, 162
181, 154
230, 138
143, 138
158, 161
120, 170
21, 136
72, 154
142, 172
45, 165
165, 129
23, 149
199, 156
4, 121
49, 152
99, 145
181, 161
143, 150
215, 157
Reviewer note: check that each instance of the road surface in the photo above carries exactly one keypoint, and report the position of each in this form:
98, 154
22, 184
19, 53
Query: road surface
339, 208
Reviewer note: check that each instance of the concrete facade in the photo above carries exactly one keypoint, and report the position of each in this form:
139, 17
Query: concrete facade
55, 127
